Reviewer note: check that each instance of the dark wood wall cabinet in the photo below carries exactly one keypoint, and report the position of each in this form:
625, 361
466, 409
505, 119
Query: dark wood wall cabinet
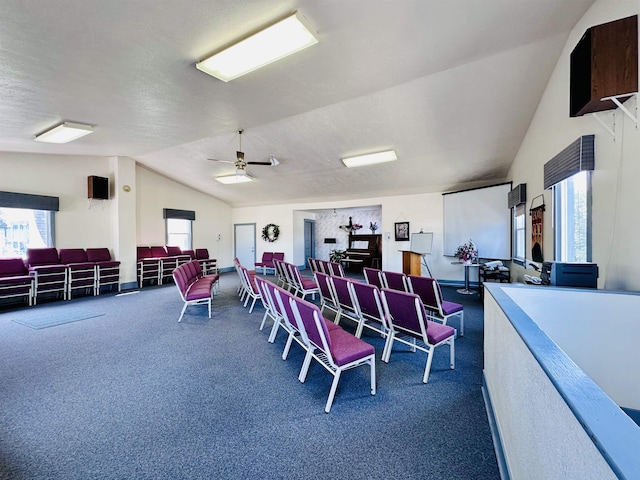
604, 63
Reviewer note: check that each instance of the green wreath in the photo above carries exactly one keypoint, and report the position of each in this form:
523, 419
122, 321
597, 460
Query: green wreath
270, 232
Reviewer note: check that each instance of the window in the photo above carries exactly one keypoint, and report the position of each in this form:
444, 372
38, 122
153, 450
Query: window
22, 228
519, 232
179, 233
572, 218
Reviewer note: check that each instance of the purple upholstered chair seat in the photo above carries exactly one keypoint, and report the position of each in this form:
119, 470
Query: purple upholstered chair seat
450, 308
198, 291
194, 288
345, 348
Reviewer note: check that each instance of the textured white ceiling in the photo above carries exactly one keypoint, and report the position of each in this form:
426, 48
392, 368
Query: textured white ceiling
450, 85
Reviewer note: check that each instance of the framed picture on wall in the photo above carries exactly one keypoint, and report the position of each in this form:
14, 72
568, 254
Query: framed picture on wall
402, 231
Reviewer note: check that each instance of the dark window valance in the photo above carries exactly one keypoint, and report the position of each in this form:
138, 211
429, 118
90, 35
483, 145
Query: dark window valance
182, 214
517, 196
577, 157
25, 200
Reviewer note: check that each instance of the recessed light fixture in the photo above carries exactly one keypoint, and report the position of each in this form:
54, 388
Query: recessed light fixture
280, 39
65, 132
231, 179
370, 159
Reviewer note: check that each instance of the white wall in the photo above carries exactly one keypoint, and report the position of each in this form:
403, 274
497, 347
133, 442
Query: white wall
617, 169
156, 192
422, 211
76, 225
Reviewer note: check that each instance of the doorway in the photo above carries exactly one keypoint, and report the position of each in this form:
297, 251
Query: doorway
244, 244
309, 240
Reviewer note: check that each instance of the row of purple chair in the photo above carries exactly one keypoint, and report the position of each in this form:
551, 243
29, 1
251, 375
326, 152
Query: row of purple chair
267, 261
394, 314
195, 288
427, 288
289, 277
59, 273
157, 263
335, 349
328, 268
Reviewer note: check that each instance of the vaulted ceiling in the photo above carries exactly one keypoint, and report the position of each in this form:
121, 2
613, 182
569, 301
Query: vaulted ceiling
450, 85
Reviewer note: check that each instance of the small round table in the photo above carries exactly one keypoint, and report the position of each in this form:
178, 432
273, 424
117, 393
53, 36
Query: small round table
466, 290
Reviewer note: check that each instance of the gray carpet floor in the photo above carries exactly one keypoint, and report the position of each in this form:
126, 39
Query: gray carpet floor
134, 394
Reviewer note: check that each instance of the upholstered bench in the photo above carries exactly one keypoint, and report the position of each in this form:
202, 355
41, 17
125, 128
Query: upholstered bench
194, 288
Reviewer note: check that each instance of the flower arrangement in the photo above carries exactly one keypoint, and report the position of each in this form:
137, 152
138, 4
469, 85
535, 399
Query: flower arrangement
373, 226
467, 251
355, 226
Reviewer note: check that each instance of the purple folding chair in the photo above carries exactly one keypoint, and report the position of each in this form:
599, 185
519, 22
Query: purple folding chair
344, 299
252, 291
15, 281
294, 328
394, 281
267, 301
409, 325
303, 285
335, 269
107, 270
336, 350
266, 262
368, 303
428, 289
372, 276
327, 297
50, 276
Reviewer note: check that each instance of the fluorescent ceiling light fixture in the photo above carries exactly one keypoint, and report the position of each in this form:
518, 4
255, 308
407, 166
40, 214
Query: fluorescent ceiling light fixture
65, 132
283, 38
370, 159
231, 179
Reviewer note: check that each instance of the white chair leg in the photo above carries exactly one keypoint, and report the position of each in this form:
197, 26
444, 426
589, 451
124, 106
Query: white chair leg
452, 354
372, 363
184, 307
274, 331
427, 368
388, 345
304, 371
253, 304
264, 319
287, 347
462, 324
209, 305
332, 393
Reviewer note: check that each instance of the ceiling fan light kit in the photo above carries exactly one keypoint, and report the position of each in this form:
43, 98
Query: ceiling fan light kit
272, 43
232, 179
241, 165
370, 159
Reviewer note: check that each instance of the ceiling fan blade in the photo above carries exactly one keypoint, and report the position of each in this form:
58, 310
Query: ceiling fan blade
221, 161
272, 162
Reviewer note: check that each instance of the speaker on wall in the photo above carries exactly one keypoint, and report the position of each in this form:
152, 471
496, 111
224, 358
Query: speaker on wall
98, 187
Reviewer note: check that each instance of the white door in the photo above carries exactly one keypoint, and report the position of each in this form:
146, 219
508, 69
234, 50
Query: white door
245, 244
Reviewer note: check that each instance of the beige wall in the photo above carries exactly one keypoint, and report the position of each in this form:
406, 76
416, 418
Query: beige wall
615, 180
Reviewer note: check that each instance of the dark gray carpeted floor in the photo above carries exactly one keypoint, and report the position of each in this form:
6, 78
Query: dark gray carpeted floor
134, 394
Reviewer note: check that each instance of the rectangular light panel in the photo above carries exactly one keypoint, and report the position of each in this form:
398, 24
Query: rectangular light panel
268, 45
370, 159
65, 132
231, 179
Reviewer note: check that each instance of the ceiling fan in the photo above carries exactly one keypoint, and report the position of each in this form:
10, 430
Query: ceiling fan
240, 164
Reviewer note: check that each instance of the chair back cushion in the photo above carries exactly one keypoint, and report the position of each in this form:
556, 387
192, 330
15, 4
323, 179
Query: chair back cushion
98, 255
12, 267
278, 255
191, 254
202, 254
173, 251
395, 280
343, 296
372, 277
73, 255
158, 251
368, 298
143, 252
267, 257
308, 314
42, 256
427, 289
402, 310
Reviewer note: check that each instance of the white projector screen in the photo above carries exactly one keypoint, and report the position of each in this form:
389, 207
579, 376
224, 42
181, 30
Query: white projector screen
481, 215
